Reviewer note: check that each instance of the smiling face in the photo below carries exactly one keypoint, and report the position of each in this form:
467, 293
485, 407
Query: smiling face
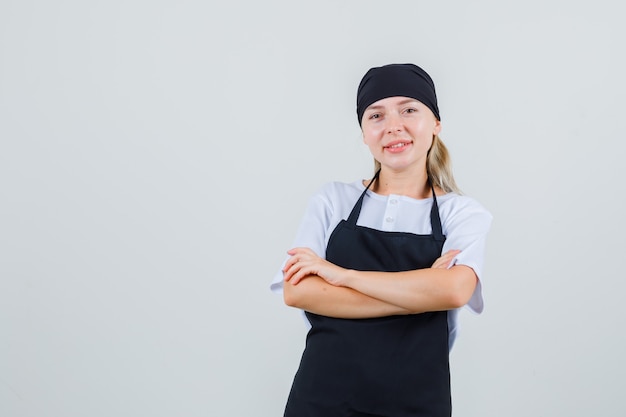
399, 132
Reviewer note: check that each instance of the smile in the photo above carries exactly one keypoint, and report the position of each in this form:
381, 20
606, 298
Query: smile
397, 146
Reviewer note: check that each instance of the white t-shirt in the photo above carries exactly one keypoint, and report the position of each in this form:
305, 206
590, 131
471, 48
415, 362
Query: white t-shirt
464, 221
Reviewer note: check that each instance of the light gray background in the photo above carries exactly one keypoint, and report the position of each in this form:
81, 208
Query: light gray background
156, 156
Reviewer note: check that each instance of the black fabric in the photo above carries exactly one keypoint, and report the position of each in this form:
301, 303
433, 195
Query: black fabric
394, 366
403, 80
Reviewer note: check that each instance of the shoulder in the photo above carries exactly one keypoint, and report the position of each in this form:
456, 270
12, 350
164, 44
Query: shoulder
342, 187
336, 192
455, 208
456, 203
333, 199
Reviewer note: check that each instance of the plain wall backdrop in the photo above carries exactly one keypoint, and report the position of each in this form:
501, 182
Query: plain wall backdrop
156, 157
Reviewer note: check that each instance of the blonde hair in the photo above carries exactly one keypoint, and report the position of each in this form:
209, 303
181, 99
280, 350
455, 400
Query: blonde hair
438, 167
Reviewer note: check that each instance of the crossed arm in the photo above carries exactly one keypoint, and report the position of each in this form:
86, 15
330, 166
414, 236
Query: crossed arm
316, 285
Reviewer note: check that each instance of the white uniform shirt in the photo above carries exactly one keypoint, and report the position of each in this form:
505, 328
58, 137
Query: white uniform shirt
464, 221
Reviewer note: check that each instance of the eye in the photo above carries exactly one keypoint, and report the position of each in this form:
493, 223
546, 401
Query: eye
410, 110
374, 116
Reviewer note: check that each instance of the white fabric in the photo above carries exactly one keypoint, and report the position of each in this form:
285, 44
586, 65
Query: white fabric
465, 224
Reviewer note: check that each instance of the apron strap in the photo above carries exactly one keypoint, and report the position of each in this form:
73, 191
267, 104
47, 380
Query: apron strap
435, 220
356, 210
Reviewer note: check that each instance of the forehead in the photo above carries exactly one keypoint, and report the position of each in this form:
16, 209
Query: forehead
393, 102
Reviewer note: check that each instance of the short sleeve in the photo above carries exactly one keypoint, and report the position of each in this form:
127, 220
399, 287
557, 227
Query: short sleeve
466, 224
311, 232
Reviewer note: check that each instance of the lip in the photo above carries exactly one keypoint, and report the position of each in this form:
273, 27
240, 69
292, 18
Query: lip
397, 146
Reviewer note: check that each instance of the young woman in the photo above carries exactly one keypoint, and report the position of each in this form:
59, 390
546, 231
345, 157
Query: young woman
381, 267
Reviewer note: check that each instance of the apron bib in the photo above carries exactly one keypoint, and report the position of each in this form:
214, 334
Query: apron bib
394, 366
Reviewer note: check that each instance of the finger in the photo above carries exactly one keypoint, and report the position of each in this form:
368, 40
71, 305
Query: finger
289, 272
444, 260
439, 263
451, 253
447, 259
298, 276
296, 265
295, 279
296, 256
296, 251
287, 275
290, 262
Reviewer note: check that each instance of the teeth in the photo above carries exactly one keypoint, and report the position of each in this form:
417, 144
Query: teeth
398, 145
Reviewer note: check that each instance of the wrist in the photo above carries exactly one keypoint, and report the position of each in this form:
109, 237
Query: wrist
351, 275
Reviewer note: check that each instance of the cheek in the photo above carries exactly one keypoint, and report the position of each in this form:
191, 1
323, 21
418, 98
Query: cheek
370, 135
369, 140
426, 130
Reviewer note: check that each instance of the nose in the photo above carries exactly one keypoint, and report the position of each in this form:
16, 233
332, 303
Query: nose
394, 123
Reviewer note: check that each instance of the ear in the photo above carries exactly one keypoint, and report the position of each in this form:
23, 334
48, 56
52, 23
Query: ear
437, 127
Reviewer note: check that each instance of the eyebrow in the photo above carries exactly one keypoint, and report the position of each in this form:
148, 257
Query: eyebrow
408, 100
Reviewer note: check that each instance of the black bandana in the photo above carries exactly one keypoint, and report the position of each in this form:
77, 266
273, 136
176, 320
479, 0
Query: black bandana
396, 80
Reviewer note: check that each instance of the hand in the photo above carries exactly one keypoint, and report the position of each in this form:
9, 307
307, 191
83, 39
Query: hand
304, 262
444, 260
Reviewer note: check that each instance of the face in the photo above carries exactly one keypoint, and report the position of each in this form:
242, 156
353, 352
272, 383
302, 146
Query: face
399, 132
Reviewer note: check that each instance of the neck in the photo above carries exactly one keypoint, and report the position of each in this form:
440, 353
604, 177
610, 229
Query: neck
410, 184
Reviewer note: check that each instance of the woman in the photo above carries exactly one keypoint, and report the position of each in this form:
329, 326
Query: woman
381, 267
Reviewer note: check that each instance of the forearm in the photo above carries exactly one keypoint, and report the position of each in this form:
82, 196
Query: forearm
429, 289
317, 296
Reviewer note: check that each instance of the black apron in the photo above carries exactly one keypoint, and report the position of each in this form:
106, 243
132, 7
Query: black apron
394, 366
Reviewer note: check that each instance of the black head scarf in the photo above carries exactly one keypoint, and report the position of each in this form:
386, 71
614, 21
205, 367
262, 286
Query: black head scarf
396, 80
